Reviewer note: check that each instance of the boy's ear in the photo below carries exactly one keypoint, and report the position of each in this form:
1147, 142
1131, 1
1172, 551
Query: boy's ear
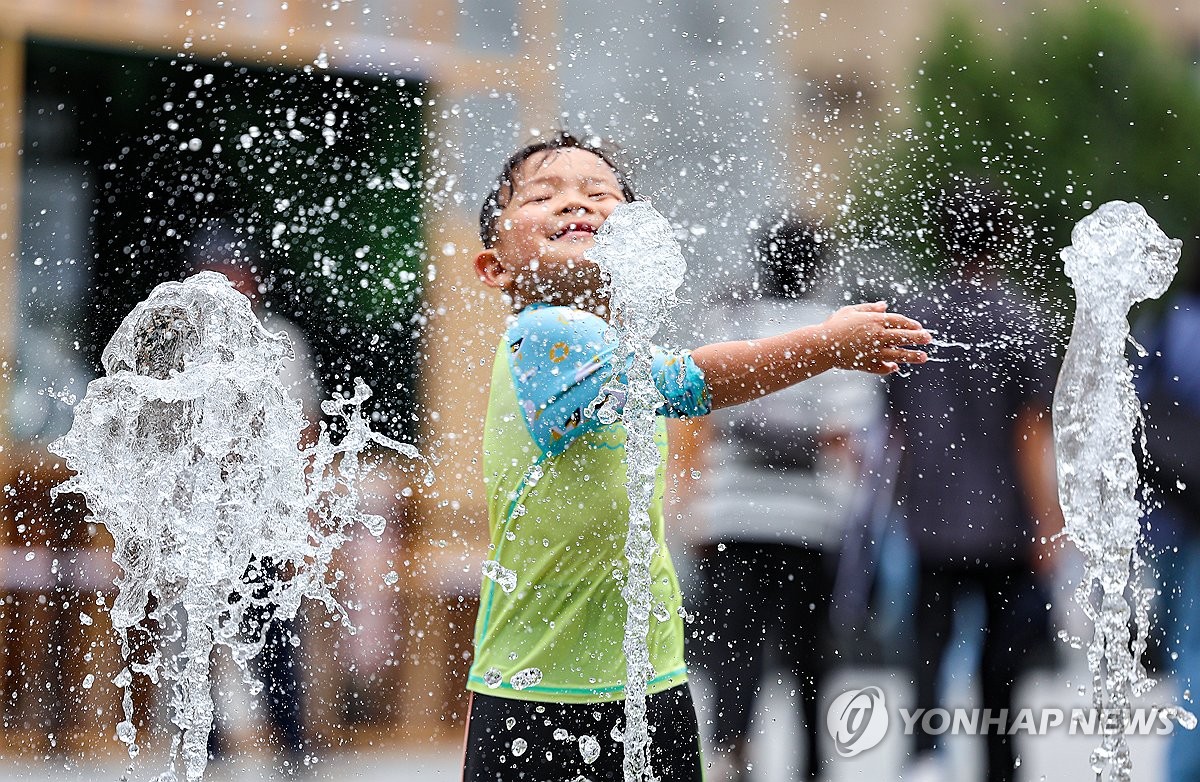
491, 271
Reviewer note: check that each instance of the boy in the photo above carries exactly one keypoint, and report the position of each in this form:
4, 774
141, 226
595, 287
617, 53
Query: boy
547, 681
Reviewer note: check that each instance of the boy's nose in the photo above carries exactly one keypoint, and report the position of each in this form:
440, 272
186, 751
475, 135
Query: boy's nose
575, 206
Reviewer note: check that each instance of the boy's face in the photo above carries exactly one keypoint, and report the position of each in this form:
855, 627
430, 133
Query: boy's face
558, 201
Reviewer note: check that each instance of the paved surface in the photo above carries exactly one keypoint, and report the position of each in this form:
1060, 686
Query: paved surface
1059, 757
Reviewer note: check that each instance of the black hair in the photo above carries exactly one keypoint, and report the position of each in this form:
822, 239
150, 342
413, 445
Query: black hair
497, 197
789, 255
973, 219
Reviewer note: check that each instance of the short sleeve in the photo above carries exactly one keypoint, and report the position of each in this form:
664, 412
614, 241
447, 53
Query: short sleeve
681, 383
560, 360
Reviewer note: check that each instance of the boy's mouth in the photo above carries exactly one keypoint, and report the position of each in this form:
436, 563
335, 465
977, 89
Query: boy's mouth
574, 231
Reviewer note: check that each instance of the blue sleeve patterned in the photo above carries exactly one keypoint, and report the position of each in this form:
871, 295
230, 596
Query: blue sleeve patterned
560, 359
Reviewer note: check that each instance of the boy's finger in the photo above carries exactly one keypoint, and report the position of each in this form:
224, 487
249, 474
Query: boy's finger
906, 356
882, 368
905, 336
894, 320
871, 306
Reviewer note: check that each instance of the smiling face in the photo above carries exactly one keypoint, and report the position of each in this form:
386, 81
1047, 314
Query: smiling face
558, 200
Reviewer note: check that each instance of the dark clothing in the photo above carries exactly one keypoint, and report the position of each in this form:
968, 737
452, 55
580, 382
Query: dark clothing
1015, 623
764, 602
278, 667
1169, 384
963, 504
497, 726
959, 476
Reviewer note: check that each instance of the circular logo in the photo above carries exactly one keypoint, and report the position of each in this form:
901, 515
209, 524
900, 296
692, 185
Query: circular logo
559, 351
857, 720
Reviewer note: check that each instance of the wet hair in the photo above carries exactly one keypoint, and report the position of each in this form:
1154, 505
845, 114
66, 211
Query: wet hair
973, 218
789, 256
497, 198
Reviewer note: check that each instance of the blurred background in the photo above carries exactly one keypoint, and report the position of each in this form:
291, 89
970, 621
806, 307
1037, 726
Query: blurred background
337, 153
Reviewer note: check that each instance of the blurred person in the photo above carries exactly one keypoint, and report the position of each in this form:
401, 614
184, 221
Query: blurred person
977, 485
218, 247
1169, 384
371, 595
783, 476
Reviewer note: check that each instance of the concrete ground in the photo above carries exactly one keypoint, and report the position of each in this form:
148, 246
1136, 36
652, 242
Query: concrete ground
1059, 757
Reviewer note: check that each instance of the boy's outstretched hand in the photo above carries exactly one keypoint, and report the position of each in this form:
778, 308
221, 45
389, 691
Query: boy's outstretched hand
862, 336
868, 337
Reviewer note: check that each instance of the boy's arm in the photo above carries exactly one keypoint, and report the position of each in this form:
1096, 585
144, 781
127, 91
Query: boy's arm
863, 336
560, 360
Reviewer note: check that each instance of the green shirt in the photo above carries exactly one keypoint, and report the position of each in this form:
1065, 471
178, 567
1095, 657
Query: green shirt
558, 514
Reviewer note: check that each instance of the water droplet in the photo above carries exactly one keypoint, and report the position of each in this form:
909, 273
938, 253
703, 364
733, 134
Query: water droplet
519, 746
561, 734
506, 578
88, 681
528, 677
510, 723
85, 619
589, 748
493, 678
126, 732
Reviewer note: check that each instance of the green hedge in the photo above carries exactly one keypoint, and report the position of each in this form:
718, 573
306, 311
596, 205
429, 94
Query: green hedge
1068, 110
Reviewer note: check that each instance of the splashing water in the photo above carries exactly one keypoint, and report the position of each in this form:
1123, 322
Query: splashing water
1118, 257
187, 451
643, 265
589, 749
506, 578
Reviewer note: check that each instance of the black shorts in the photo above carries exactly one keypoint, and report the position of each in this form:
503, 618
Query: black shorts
509, 739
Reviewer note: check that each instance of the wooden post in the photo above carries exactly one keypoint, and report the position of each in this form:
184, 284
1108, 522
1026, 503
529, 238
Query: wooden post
12, 95
12, 78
